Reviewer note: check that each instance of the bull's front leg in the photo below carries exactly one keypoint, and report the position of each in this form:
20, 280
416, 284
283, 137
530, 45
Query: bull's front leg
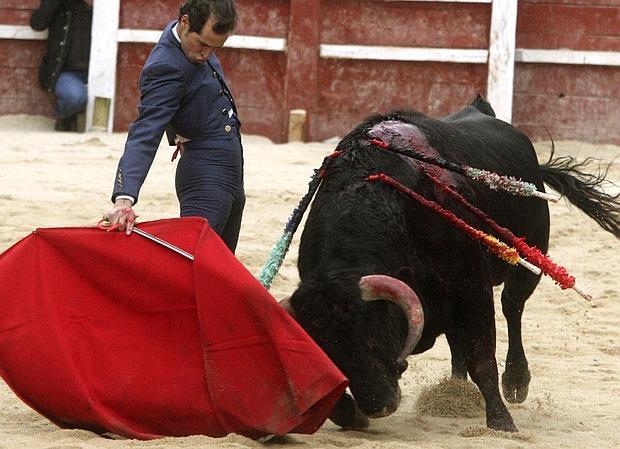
484, 374
482, 368
459, 351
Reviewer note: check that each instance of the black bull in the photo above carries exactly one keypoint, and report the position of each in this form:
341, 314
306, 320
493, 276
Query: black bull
357, 229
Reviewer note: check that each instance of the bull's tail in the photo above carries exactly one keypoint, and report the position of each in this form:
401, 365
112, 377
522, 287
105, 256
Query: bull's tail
567, 177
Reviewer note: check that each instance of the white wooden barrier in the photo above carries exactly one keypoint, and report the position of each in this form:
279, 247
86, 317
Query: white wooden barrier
102, 66
501, 65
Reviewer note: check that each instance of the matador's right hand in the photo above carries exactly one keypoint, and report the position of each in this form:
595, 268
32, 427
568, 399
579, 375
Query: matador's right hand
121, 216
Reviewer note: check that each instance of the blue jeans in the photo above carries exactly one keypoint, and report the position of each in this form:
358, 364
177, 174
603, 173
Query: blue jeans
71, 94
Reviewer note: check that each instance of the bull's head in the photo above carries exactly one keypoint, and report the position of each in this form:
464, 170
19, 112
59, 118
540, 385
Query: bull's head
367, 337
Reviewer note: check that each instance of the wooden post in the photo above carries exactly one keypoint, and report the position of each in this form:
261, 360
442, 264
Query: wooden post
502, 41
101, 113
301, 84
102, 66
297, 125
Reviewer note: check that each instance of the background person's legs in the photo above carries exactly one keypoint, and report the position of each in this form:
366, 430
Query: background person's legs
71, 98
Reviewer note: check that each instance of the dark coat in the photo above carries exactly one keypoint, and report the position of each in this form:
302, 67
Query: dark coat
69, 24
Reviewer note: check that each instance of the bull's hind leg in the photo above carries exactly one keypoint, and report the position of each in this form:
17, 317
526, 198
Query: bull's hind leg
516, 378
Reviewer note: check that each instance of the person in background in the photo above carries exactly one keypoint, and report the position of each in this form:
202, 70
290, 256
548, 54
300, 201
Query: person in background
183, 93
64, 69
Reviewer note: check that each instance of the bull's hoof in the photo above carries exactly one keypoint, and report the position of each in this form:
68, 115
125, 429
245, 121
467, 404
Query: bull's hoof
515, 386
504, 424
347, 414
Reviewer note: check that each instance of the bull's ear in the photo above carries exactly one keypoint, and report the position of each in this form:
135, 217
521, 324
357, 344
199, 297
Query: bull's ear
483, 106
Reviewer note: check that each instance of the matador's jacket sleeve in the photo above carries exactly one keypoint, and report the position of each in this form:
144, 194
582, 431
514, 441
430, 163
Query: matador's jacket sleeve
161, 91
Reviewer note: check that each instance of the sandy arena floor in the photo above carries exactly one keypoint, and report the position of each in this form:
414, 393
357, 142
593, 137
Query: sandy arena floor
63, 179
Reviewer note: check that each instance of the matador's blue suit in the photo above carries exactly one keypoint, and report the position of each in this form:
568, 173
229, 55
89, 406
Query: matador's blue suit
190, 100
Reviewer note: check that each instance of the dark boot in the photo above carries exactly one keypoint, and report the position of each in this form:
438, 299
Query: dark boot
80, 122
66, 124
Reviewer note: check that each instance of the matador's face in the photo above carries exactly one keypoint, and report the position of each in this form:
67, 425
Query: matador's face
199, 46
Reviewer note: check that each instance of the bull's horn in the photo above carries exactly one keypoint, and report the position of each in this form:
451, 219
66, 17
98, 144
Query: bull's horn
286, 305
378, 286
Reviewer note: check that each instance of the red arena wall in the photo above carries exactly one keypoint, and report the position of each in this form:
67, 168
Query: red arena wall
579, 102
564, 100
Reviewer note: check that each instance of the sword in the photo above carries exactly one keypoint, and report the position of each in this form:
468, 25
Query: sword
168, 245
104, 224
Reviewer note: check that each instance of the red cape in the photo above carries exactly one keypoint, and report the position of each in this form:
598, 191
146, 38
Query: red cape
118, 334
